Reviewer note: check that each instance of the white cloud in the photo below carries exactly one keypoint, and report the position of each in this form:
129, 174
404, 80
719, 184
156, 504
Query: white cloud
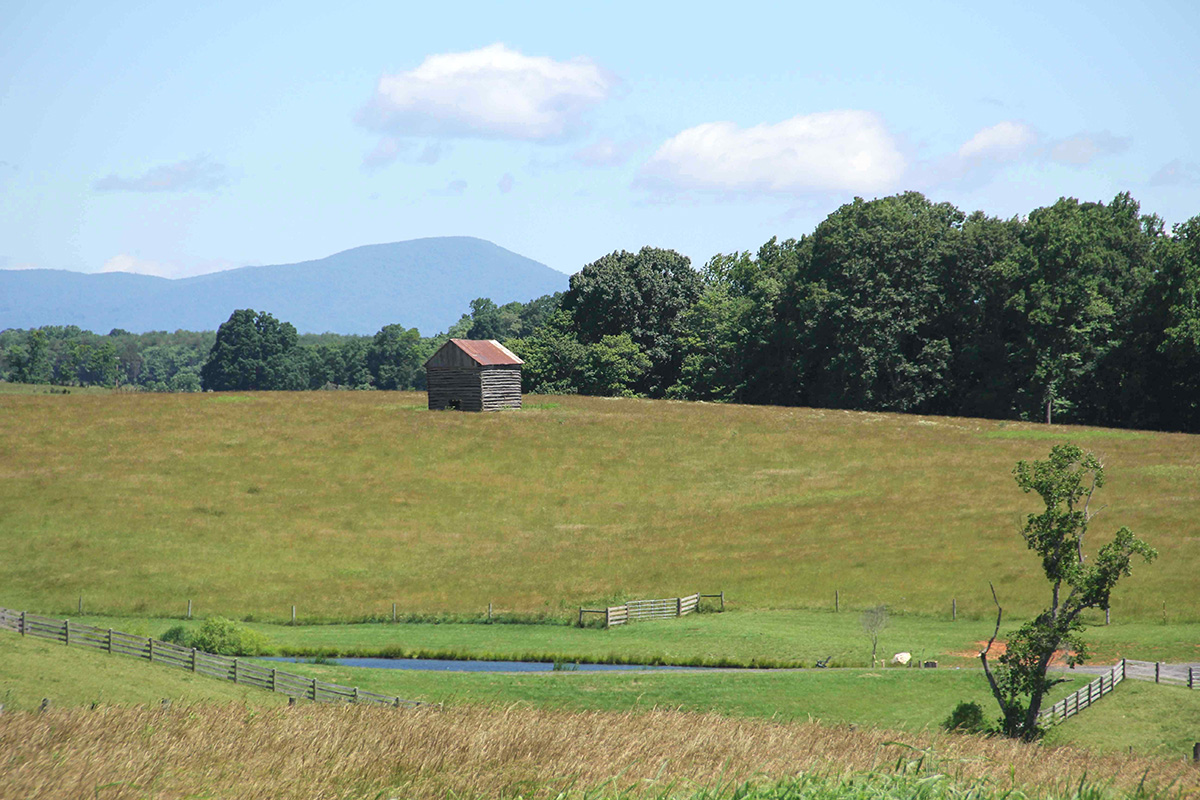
493, 92
195, 174
606, 153
1004, 141
1084, 148
1177, 173
506, 183
830, 151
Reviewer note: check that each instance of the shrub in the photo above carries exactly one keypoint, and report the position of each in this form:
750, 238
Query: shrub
228, 638
965, 718
177, 635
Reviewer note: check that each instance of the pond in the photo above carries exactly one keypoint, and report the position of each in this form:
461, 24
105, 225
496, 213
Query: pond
450, 665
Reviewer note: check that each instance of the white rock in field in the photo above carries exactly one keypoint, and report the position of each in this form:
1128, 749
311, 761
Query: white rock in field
901, 659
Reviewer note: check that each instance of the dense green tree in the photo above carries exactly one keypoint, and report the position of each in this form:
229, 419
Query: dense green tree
863, 311
643, 294
253, 350
1082, 270
395, 357
1066, 482
553, 355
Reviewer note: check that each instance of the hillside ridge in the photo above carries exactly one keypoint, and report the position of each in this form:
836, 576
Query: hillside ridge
424, 283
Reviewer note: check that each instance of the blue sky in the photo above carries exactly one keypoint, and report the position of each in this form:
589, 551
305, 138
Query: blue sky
150, 138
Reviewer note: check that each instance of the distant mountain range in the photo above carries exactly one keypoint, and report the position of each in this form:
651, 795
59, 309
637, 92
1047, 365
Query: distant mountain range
423, 283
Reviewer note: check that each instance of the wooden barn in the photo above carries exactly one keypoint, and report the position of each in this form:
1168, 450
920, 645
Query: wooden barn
474, 375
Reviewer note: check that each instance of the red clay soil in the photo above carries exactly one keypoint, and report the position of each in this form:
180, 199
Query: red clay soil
999, 647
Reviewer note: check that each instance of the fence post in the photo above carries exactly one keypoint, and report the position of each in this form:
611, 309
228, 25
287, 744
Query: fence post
607, 616
1156, 672
581, 616
313, 689
1191, 678
954, 609
67, 632
81, 605
109, 642
293, 615
189, 614
235, 675
489, 613
837, 601
193, 659
273, 681
1107, 618
679, 606
722, 599
356, 695
150, 641
393, 612
22, 623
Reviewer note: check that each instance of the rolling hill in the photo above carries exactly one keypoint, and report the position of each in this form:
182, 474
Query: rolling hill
423, 283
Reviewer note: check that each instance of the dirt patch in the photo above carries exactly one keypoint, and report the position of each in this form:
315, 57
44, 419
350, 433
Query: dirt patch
999, 648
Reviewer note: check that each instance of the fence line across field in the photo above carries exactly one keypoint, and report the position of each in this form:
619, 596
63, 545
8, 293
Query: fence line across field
1127, 669
663, 608
189, 658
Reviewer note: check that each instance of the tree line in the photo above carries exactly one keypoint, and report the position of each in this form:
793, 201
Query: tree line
1079, 312
1082, 313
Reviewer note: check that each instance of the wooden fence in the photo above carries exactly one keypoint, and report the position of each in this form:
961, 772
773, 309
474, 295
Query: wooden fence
193, 660
1075, 702
635, 610
1177, 674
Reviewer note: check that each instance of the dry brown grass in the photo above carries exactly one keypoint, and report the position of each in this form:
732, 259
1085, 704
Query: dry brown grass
323, 752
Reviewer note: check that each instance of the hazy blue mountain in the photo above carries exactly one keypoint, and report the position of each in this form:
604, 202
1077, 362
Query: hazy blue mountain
423, 283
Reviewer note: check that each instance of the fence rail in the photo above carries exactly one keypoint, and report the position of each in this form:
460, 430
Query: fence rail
189, 658
1128, 669
664, 608
1177, 674
1075, 702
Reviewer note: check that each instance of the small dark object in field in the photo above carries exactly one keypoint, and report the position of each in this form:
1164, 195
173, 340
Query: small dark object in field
824, 662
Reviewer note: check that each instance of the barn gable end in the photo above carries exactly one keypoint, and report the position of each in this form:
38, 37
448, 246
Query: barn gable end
473, 375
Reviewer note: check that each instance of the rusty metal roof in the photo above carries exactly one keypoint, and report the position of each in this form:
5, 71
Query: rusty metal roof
487, 352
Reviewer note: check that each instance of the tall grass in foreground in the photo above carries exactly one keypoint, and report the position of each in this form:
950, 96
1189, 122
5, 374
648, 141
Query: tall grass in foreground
350, 752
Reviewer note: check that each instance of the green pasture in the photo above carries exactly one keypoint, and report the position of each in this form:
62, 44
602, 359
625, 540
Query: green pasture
344, 503
32, 669
771, 638
1151, 719
900, 699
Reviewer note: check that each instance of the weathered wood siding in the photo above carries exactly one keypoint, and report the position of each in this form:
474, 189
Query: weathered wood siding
449, 384
501, 387
450, 357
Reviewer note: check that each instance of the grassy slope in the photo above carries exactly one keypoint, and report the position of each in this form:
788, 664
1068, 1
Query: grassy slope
888, 698
781, 637
346, 502
1157, 719
32, 669
1151, 719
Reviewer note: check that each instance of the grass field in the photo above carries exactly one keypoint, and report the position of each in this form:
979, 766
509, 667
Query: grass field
343, 503
742, 638
33, 669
